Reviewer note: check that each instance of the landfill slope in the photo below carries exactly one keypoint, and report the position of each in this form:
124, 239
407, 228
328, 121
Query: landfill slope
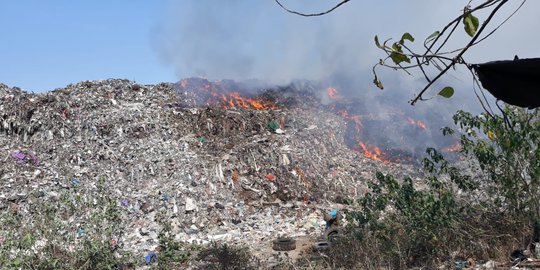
213, 174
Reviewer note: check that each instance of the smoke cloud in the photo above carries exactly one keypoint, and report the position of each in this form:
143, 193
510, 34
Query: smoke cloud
243, 39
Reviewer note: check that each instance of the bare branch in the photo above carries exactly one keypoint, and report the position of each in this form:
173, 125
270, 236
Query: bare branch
312, 14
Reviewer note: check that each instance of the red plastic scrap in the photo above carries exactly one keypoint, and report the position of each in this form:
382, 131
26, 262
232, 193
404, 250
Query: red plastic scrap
270, 177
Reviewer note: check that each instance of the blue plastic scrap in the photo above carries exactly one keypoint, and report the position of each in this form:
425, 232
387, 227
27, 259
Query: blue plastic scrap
150, 258
333, 213
75, 181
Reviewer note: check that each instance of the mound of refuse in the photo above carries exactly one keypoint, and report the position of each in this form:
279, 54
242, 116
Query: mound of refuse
212, 173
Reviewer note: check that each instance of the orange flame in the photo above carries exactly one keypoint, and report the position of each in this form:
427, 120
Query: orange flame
453, 148
332, 93
231, 99
418, 123
372, 152
369, 151
184, 83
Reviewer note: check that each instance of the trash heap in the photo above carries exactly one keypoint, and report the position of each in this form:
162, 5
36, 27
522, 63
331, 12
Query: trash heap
238, 176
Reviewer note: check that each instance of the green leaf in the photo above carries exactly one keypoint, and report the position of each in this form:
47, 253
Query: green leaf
378, 43
399, 57
432, 36
447, 92
406, 36
471, 24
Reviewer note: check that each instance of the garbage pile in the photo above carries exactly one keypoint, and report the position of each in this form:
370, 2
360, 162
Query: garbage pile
235, 175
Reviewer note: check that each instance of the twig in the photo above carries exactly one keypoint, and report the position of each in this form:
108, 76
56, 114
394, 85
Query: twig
502, 23
458, 57
311, 14
484, 5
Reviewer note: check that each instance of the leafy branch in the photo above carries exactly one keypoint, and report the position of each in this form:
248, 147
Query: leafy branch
402, 56
434, 52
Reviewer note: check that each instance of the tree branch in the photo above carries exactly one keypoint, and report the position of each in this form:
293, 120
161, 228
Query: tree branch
311, 14
458, 57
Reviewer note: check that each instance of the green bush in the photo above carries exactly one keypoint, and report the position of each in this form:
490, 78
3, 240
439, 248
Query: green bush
506, 149
456, 209
50, 242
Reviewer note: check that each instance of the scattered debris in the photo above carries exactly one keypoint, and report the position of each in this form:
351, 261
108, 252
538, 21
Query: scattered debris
212, 173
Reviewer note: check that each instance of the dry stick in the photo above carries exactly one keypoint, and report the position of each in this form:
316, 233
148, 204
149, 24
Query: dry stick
503, 22
484, 5
454, 22
311, 14
458, 57
443, 43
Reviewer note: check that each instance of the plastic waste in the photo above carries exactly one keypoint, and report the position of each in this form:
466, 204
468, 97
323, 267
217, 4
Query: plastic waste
150, 258
124, 202
75, 181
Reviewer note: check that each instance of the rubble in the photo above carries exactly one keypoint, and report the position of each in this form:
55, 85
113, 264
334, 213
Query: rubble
213, 174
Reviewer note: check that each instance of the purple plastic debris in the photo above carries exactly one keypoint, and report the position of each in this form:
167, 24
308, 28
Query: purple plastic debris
22, 158
125, 202
19, 156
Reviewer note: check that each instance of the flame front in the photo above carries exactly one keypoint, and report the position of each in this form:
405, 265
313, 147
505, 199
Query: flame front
332, 93
418, 123
453, 148
372, 152
227, 99
369, 151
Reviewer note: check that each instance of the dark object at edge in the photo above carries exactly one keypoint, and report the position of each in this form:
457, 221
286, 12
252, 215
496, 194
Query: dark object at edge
517, 256
284, 244
515, 82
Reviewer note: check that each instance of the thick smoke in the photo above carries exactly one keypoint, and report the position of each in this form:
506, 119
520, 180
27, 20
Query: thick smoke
243, 39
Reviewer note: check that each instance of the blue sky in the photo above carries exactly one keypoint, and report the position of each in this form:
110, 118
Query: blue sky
49, 44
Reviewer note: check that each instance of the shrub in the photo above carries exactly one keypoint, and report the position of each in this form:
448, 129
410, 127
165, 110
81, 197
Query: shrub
456, 211
227, 257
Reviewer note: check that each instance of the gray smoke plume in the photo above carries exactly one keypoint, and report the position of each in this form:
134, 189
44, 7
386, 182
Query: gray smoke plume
245, 39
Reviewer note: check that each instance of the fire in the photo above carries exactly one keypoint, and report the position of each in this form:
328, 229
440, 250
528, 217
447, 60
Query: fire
184, 83
369, 151
225, 98
453, 148
229, 95
372, 152
332, 93
235, 100
418, 123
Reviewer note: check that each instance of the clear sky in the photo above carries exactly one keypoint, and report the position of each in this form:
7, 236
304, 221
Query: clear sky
49, 44
46, 44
